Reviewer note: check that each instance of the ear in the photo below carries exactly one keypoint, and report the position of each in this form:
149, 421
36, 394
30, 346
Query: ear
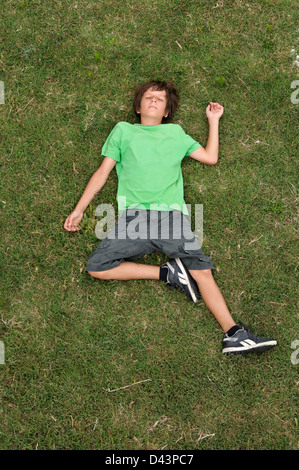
166, 113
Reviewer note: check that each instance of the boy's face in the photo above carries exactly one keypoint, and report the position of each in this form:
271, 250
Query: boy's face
153, 106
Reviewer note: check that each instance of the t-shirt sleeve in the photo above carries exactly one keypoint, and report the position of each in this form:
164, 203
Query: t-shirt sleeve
111, 147
189, 143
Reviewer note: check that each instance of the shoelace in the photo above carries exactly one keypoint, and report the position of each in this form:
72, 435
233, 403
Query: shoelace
250, 334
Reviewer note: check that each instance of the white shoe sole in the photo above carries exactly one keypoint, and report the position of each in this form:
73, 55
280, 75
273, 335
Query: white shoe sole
181, 266
257, 347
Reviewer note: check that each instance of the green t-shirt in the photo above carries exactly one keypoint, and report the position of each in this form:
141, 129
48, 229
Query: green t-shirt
149, 165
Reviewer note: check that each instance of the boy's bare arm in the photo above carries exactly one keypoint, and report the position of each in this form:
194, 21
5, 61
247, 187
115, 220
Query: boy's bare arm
94, 185
209, 155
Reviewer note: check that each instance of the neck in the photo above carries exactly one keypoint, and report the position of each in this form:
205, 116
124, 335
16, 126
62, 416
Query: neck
149, 122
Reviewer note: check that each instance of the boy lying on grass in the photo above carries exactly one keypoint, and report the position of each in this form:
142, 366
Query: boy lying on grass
148, 160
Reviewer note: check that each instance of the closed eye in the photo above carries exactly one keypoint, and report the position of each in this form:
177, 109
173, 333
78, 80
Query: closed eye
149, 97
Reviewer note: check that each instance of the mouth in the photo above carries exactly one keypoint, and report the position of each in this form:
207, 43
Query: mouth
153, 107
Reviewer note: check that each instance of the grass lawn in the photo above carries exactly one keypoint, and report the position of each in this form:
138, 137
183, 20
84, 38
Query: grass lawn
133, 365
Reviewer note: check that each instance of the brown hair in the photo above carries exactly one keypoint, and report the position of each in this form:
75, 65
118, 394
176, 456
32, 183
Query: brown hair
172, 97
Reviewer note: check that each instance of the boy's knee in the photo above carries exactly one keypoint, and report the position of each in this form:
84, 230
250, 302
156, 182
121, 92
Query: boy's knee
97, 274
91, 273
201, 273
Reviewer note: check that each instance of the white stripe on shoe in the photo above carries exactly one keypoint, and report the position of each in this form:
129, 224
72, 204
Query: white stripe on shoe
182, 278
248, 343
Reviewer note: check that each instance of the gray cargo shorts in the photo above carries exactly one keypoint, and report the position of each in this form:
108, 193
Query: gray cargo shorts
141, 232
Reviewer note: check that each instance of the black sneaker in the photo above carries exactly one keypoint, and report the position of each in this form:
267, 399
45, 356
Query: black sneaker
179, 277
244, 341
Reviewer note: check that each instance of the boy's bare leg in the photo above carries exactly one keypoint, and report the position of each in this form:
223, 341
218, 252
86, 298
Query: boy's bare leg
208, 288
128, 270
213, 298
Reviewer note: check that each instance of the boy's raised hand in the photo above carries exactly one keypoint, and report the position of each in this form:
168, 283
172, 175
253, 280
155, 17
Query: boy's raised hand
214, 110
72, 221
